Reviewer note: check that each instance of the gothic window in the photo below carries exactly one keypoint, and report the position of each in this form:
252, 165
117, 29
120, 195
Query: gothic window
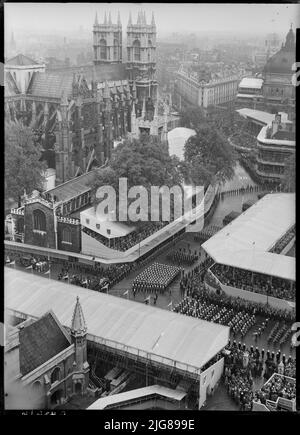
67, 235
116, 49
55, 375
136, 50
36, 386
103, 49
39, 220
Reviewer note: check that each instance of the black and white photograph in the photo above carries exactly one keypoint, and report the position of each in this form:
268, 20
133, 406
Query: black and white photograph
149, 206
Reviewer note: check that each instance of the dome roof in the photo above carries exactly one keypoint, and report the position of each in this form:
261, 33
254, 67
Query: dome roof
282, 61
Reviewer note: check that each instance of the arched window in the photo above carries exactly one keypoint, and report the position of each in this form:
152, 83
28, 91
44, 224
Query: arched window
136, 50
20, 225
36, 386
67, 235
116, 50
39, 220
103, 49
55, 375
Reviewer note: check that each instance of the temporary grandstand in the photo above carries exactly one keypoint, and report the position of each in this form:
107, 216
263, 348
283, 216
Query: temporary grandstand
246, 243
169, 347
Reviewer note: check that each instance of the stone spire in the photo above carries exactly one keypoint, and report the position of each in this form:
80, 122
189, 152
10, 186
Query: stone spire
290, 40
105, 19
144, 18
144, 109
139, 18
130, 20
106, 93
78, 323
96, 20
153, 21
64, 100
109, 18
119, 19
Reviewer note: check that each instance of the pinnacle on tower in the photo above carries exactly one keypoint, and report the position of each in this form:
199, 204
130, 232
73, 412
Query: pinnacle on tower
105, 19
109, 18
64, 100
139, 18
144, 18
130, 19
133, 114
119, 19
153, 21
144, 108
78, 322
106, 93
96, 20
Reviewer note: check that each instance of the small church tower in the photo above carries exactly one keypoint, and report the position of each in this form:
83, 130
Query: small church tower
78, 335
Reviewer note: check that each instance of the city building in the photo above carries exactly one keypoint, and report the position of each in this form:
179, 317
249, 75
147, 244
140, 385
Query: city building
203, 90
45, 363
249, 92
275, 144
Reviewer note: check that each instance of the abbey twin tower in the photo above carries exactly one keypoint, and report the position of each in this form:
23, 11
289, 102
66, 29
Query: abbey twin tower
79, 113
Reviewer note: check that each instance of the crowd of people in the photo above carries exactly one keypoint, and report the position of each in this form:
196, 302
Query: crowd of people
130, 240
205, 234
243, 364
184, 256
277, 386
284, 241
238, 321
156, 278
255, 282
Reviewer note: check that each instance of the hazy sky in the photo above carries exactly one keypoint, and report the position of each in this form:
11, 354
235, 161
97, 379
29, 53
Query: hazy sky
67, 17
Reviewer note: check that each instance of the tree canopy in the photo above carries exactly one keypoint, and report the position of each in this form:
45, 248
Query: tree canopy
209, 157
144, 162
23, 167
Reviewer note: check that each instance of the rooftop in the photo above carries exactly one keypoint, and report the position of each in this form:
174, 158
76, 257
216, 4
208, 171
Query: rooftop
157, 334
21, 60
261, 116
245, 242
40, 341
251, 82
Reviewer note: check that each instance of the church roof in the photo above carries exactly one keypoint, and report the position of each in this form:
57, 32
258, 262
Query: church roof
41, 341
78, 322
99, 73
21, 60
50, 85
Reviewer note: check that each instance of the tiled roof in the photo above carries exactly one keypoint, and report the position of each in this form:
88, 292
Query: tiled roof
21, 60
74, 187
50, 85
99, 73
39, 342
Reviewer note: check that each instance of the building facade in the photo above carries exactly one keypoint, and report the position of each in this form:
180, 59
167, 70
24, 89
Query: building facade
77, 113
275, 144
189, 89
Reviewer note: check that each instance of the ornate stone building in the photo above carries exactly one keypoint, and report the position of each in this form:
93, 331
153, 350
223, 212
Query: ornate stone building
77, 113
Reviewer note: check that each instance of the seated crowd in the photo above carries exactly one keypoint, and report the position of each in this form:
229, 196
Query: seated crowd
243, 364
254, 282
239, 321
277, 386
157, 277
130, 240
285, 239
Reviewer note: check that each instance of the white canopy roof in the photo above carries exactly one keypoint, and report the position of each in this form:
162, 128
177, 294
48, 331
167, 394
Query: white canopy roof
159, 390
157, 334
245, 242
260, 116
177, 139
251, 82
